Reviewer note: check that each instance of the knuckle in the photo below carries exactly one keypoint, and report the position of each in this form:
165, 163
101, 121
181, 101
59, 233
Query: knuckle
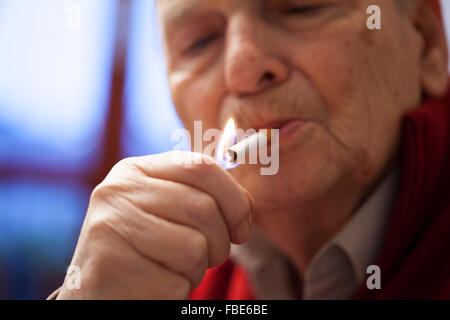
198, 162
202, 208
112, 189
97, 229
193, 162
97, 246
196, 251
107, 193
101, 192
180, 158
123, 169
125, 163
103, 224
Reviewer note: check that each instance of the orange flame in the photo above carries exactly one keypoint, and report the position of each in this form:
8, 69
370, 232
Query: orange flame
227, 140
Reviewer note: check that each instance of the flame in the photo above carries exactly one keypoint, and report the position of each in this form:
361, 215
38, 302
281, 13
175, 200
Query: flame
227, 140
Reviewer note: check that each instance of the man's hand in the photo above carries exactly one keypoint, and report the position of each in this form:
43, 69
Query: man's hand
153, 228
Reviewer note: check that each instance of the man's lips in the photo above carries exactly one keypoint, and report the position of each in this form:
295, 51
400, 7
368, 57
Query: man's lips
286, 126
290, 127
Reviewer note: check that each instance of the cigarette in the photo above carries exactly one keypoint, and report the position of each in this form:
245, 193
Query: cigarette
247, 146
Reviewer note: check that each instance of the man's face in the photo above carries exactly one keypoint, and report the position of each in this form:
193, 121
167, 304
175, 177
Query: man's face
336, 89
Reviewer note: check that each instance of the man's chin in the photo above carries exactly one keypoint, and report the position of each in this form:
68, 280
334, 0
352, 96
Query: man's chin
288, 189
311, 167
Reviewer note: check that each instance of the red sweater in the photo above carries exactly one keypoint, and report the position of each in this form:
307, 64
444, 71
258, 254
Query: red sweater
415, 260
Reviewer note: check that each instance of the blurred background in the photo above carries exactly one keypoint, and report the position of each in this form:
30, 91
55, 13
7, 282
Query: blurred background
82, 85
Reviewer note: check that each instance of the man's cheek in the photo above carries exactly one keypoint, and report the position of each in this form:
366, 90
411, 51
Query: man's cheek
186, 103
202, 97
333, 73
179, 83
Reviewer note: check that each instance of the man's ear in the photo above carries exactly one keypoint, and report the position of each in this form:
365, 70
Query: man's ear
434, 58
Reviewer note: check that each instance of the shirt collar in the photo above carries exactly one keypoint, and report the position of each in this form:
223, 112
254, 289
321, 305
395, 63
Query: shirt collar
361, 238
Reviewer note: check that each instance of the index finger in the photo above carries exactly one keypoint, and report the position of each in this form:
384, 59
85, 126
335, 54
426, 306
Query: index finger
203, 173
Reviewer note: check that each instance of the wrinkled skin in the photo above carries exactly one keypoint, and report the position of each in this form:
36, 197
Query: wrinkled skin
153, 227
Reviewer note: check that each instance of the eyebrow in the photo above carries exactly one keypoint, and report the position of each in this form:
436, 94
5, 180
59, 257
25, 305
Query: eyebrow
178, 10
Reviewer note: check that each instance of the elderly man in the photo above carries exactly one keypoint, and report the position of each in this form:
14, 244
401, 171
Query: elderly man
363, 188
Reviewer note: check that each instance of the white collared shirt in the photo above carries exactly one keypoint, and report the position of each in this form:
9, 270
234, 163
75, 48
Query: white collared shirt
338, 268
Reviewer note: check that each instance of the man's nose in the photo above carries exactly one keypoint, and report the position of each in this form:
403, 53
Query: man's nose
249, 66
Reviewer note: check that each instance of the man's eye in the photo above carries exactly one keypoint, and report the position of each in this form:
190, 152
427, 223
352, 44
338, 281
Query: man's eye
303, 10
201, 43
